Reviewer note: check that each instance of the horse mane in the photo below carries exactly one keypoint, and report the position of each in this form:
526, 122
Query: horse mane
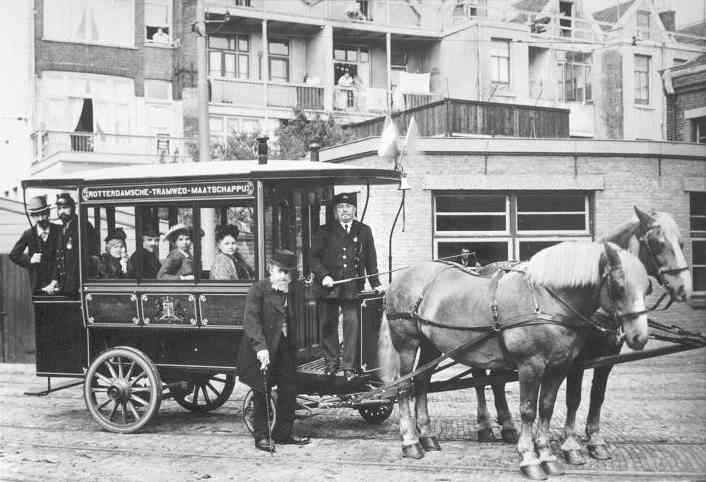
573, 264
622, 233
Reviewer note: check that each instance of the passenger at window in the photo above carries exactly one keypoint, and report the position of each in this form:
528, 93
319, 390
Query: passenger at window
67, 254
228, 264
468, 258
179, 262
113, 262
147, 256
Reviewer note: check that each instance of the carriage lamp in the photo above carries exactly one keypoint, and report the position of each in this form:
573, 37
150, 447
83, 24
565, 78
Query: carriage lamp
404, 183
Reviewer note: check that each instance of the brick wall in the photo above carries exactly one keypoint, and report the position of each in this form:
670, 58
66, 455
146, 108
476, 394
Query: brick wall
689, 93
609, 100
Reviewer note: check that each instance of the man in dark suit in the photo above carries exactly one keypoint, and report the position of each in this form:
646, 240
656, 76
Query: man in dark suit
343, 249
267, 354
145, 256
41, 242
468, 258
68, 254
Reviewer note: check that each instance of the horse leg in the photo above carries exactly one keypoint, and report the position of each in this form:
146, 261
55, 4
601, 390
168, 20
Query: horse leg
597, 447
509, 432
571, 446
485, 431
427, 438
550, 386
408, 425
530, 378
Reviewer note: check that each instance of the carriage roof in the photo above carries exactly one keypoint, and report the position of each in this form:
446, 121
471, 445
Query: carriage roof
217, 170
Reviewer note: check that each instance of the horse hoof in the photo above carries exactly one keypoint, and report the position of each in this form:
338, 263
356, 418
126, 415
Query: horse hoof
599, 452
510, 435
430, 443
413, 451
574, 457
552, 467
486, 435
533, 472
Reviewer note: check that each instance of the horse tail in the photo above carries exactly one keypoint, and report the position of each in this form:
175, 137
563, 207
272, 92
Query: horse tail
388, 357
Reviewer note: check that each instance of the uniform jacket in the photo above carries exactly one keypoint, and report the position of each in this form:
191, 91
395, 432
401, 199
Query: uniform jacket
265, 313
175, 266
344, 255
43, 273
68, 255
150, 264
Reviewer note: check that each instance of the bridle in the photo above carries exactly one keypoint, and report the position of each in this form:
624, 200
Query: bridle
659, 270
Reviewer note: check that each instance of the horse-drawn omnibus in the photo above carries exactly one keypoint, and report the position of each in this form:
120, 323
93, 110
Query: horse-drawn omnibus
138, 339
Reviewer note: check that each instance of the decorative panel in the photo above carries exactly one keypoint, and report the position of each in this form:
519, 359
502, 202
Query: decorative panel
168, 309
111, 308
222, 310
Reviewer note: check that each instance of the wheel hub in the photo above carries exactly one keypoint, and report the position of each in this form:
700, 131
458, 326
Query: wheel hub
119, 390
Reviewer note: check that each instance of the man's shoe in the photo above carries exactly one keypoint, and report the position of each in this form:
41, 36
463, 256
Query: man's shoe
331, 368
264, 444
295, 440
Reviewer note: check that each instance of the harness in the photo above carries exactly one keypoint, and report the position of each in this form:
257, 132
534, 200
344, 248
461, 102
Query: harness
659, 270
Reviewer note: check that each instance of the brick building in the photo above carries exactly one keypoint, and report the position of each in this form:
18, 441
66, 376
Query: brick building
507, 198
685, 86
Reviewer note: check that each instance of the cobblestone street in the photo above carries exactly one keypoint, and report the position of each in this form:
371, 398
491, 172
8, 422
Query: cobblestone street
654, 419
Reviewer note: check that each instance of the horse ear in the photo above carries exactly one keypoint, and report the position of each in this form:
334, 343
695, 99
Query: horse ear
645, 219
612, 255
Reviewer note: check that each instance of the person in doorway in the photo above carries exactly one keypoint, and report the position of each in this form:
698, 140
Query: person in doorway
145, 256
113, 262
468, 258
41, 243
68, 254
340, 251
179, 262
267, 353
228, 264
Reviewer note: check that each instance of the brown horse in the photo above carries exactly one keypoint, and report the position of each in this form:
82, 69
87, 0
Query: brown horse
540, 315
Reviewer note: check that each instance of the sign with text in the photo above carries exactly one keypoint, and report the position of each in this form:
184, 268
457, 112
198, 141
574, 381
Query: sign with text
172, 191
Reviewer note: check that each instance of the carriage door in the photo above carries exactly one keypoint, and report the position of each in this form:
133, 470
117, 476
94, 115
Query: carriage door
292, 215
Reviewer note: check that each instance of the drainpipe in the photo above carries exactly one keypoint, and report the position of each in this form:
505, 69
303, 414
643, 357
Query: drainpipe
202, 81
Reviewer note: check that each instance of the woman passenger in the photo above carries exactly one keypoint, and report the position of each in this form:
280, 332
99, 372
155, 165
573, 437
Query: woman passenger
179, 262
113, 262
228, 264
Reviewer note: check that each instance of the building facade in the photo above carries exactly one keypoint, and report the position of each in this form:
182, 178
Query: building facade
507, 198
115, 80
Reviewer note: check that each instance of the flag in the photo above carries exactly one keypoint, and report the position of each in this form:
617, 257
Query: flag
388, 140
410, 143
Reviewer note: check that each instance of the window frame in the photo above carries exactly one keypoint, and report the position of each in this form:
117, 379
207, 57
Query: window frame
233, 51
436, 231
638, 76
696, 236
551, 232
496, 60
642, 32
84, 213
469, 240
168, 4
278, 57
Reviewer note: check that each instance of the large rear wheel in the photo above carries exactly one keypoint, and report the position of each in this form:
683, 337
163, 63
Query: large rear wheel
249, 411
376, 414
205, 392
122, 389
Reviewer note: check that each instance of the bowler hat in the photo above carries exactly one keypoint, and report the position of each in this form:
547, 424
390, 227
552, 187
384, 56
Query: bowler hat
65, 199
345, 197
38, 205
117, 233
285, 260
150, 232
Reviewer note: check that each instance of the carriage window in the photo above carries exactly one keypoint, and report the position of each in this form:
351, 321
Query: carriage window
175, 250
113, 231
228, 246
512, 226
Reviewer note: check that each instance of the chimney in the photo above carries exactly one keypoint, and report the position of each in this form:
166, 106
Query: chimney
314, 151
669, 19
262, 149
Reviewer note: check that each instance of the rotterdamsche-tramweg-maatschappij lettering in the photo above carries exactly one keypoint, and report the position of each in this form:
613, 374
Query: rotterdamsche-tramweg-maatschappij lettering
169, 191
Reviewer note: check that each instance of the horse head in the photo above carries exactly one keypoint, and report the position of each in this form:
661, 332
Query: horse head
661, 249
623, 287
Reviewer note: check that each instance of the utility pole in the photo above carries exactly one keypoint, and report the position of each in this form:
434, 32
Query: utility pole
202, 81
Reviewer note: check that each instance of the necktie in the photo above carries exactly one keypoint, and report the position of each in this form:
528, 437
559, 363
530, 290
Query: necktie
348, 228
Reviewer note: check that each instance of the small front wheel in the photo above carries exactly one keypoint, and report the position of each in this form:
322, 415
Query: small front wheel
122, 390
249, 411
376, 414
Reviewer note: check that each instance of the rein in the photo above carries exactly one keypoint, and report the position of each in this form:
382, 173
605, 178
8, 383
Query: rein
659, 270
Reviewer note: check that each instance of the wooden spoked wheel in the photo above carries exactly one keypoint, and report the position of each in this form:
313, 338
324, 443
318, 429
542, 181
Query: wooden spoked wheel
122, 390
205, 392
249, 410
376, 414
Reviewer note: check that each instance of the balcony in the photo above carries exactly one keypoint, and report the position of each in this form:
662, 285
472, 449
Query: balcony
72, 151
283, 95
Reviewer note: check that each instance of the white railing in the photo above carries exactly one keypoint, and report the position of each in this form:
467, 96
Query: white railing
251, 93
163, 149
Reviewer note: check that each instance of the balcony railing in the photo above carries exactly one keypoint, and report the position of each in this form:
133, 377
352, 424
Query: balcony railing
142, 148
251, 93
372, 100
